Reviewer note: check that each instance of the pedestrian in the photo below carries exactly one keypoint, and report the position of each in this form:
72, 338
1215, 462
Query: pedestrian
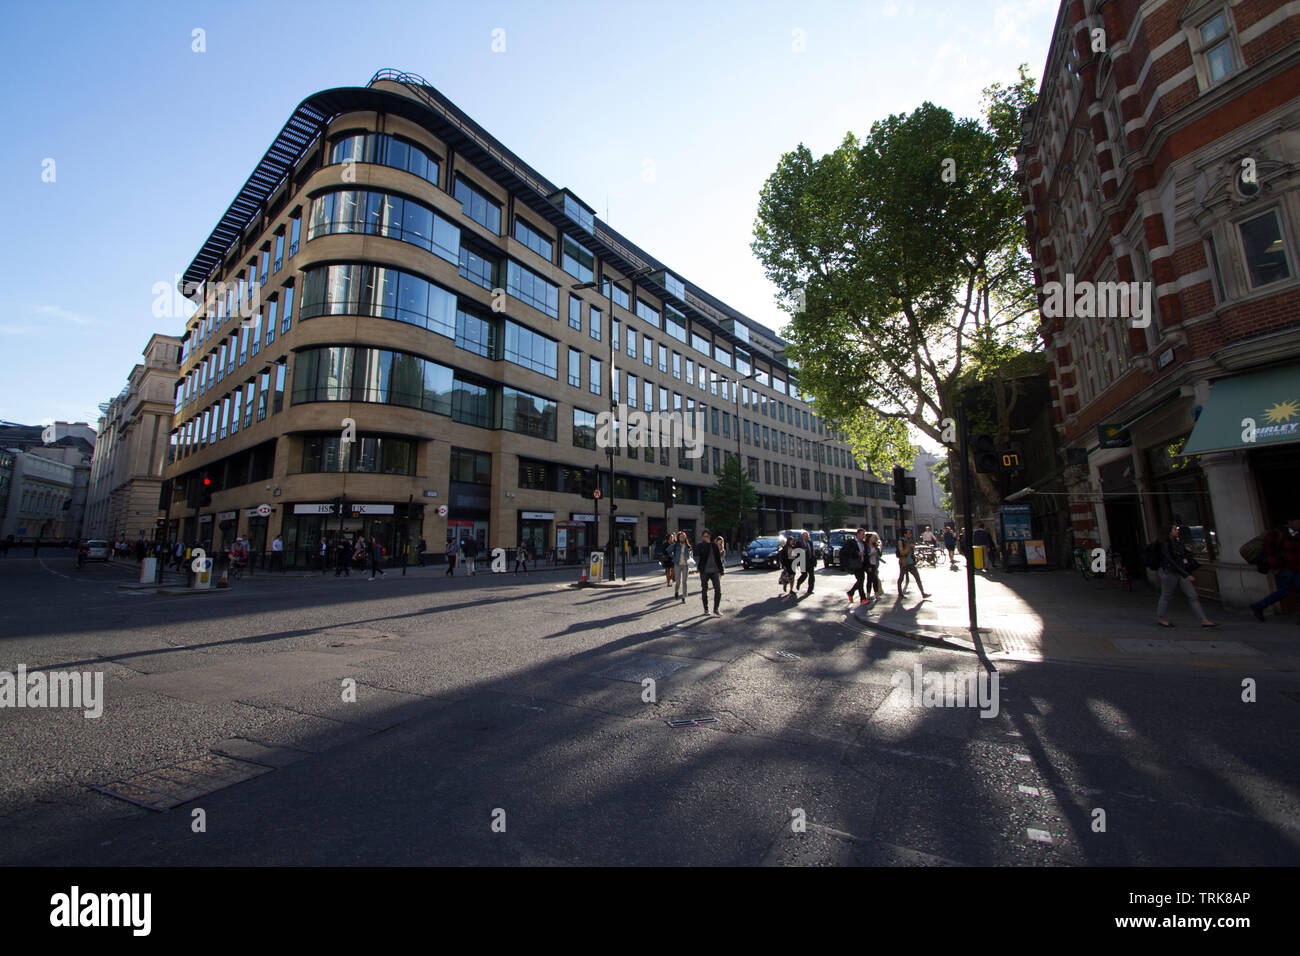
470, 550
452, 553
359, 555
928, 538
140, 550
376, 557
950, 542
421, 548
322, 555
1176, 567
666, 560
722, 548
343, 557
1282, 552
809, 563
853, 556
681, 555
875, 551
277, 554
521, 558
907, 564
785, 558
983, 539
708, 563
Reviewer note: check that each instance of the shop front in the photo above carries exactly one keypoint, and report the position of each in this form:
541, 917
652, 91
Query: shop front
625, 535
576, 538
535, 533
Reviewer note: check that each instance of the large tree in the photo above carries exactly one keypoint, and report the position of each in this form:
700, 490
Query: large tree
901, 259
732, 498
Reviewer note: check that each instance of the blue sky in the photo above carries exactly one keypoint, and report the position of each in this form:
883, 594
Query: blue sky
671, 115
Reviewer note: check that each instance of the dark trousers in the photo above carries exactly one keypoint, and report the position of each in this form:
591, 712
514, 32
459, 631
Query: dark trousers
1288, 582
857, 585
811, 575
909, 570
705, 579
873, 580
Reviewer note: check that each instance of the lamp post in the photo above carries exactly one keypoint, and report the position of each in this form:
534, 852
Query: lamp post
613, 407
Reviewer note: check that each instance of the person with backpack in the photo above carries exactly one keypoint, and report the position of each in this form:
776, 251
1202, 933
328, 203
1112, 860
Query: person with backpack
950, 543
1169, 558
853, 556
1281, 556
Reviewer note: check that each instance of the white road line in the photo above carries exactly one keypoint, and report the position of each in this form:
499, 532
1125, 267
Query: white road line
1039, 836
1031, 791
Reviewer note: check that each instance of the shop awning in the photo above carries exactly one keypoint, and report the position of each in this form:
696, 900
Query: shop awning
1269, 398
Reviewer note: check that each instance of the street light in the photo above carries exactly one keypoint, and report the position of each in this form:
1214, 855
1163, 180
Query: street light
613, 408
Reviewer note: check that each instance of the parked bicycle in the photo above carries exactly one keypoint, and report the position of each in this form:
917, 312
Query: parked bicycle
1083, 562
1115, 567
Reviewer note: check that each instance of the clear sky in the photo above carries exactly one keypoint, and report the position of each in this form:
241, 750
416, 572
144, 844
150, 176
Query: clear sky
670, 115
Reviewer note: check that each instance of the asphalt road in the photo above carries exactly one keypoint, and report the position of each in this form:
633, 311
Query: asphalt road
503, 720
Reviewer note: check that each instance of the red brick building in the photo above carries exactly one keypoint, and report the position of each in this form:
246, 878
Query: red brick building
1164, 149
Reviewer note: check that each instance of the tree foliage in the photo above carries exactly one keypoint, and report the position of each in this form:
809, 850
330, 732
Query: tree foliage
901, 260
732, 497
837, 509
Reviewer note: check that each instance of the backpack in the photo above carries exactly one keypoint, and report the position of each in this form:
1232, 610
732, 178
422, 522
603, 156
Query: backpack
1151, 556
1252, 552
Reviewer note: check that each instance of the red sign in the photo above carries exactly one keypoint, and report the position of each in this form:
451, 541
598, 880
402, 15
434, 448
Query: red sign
596, 494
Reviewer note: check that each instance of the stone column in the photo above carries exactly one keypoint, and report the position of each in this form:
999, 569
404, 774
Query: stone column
1237, 518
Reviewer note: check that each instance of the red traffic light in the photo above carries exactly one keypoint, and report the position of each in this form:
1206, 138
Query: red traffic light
207, 481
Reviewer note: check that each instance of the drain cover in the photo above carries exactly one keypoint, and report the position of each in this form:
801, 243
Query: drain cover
171, 786
692, 722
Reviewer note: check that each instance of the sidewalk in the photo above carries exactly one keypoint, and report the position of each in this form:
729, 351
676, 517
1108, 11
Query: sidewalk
1059, 616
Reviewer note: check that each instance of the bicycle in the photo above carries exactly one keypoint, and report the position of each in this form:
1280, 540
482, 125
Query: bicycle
1083, 562
1117, 570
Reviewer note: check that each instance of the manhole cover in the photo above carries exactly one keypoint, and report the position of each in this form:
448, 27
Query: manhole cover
637, 668
171, 786
692, 722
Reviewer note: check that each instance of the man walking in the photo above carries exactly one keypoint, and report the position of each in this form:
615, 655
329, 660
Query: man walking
1282, 552
708, 563
810, 563
853, 555
950, 543
343, 557
521, 557
470, 550
421, 548
983, 539
452, 552
907, 564
376, 557
277, 554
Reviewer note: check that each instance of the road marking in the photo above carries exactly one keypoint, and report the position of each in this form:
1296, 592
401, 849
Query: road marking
1025, 758
1031, 791
1039, 836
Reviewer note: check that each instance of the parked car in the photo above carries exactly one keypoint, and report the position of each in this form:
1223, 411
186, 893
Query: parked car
97, 550
760, 553
834, 541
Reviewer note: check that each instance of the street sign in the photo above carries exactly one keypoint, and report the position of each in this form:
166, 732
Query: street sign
442, 511
596, 494
1112, 436
263, 510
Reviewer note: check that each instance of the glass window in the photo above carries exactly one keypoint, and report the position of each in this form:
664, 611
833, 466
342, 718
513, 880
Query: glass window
527, 414
473, 467
675, 323
272, 312
619, 294
1216, 47
614, 327
700, 343
579, 213
584, 429
663, 358
477, 269
594, 319
648, 393
528, 349
527, 286
533, 239
575, 368
631, 390
575, 313
677, 365
476, 334
478, 205
593, 383
472, 403
279, 250
236, 401
278, 402
631, 343
1265, 253
647, 312
287, 319
577, 261
295, 228
647, 351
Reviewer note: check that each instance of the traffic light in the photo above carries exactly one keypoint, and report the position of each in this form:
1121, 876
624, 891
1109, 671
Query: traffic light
205, 493
985, 453
670, 490
909, 487
900, 482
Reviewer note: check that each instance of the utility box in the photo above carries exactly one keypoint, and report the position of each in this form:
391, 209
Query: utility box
203, 579
978, 557
596, 572
148, 570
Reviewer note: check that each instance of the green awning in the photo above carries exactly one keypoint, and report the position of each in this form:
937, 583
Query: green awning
1270, 399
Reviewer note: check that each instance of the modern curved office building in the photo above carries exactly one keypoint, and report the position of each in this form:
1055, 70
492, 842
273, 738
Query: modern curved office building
404, 330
